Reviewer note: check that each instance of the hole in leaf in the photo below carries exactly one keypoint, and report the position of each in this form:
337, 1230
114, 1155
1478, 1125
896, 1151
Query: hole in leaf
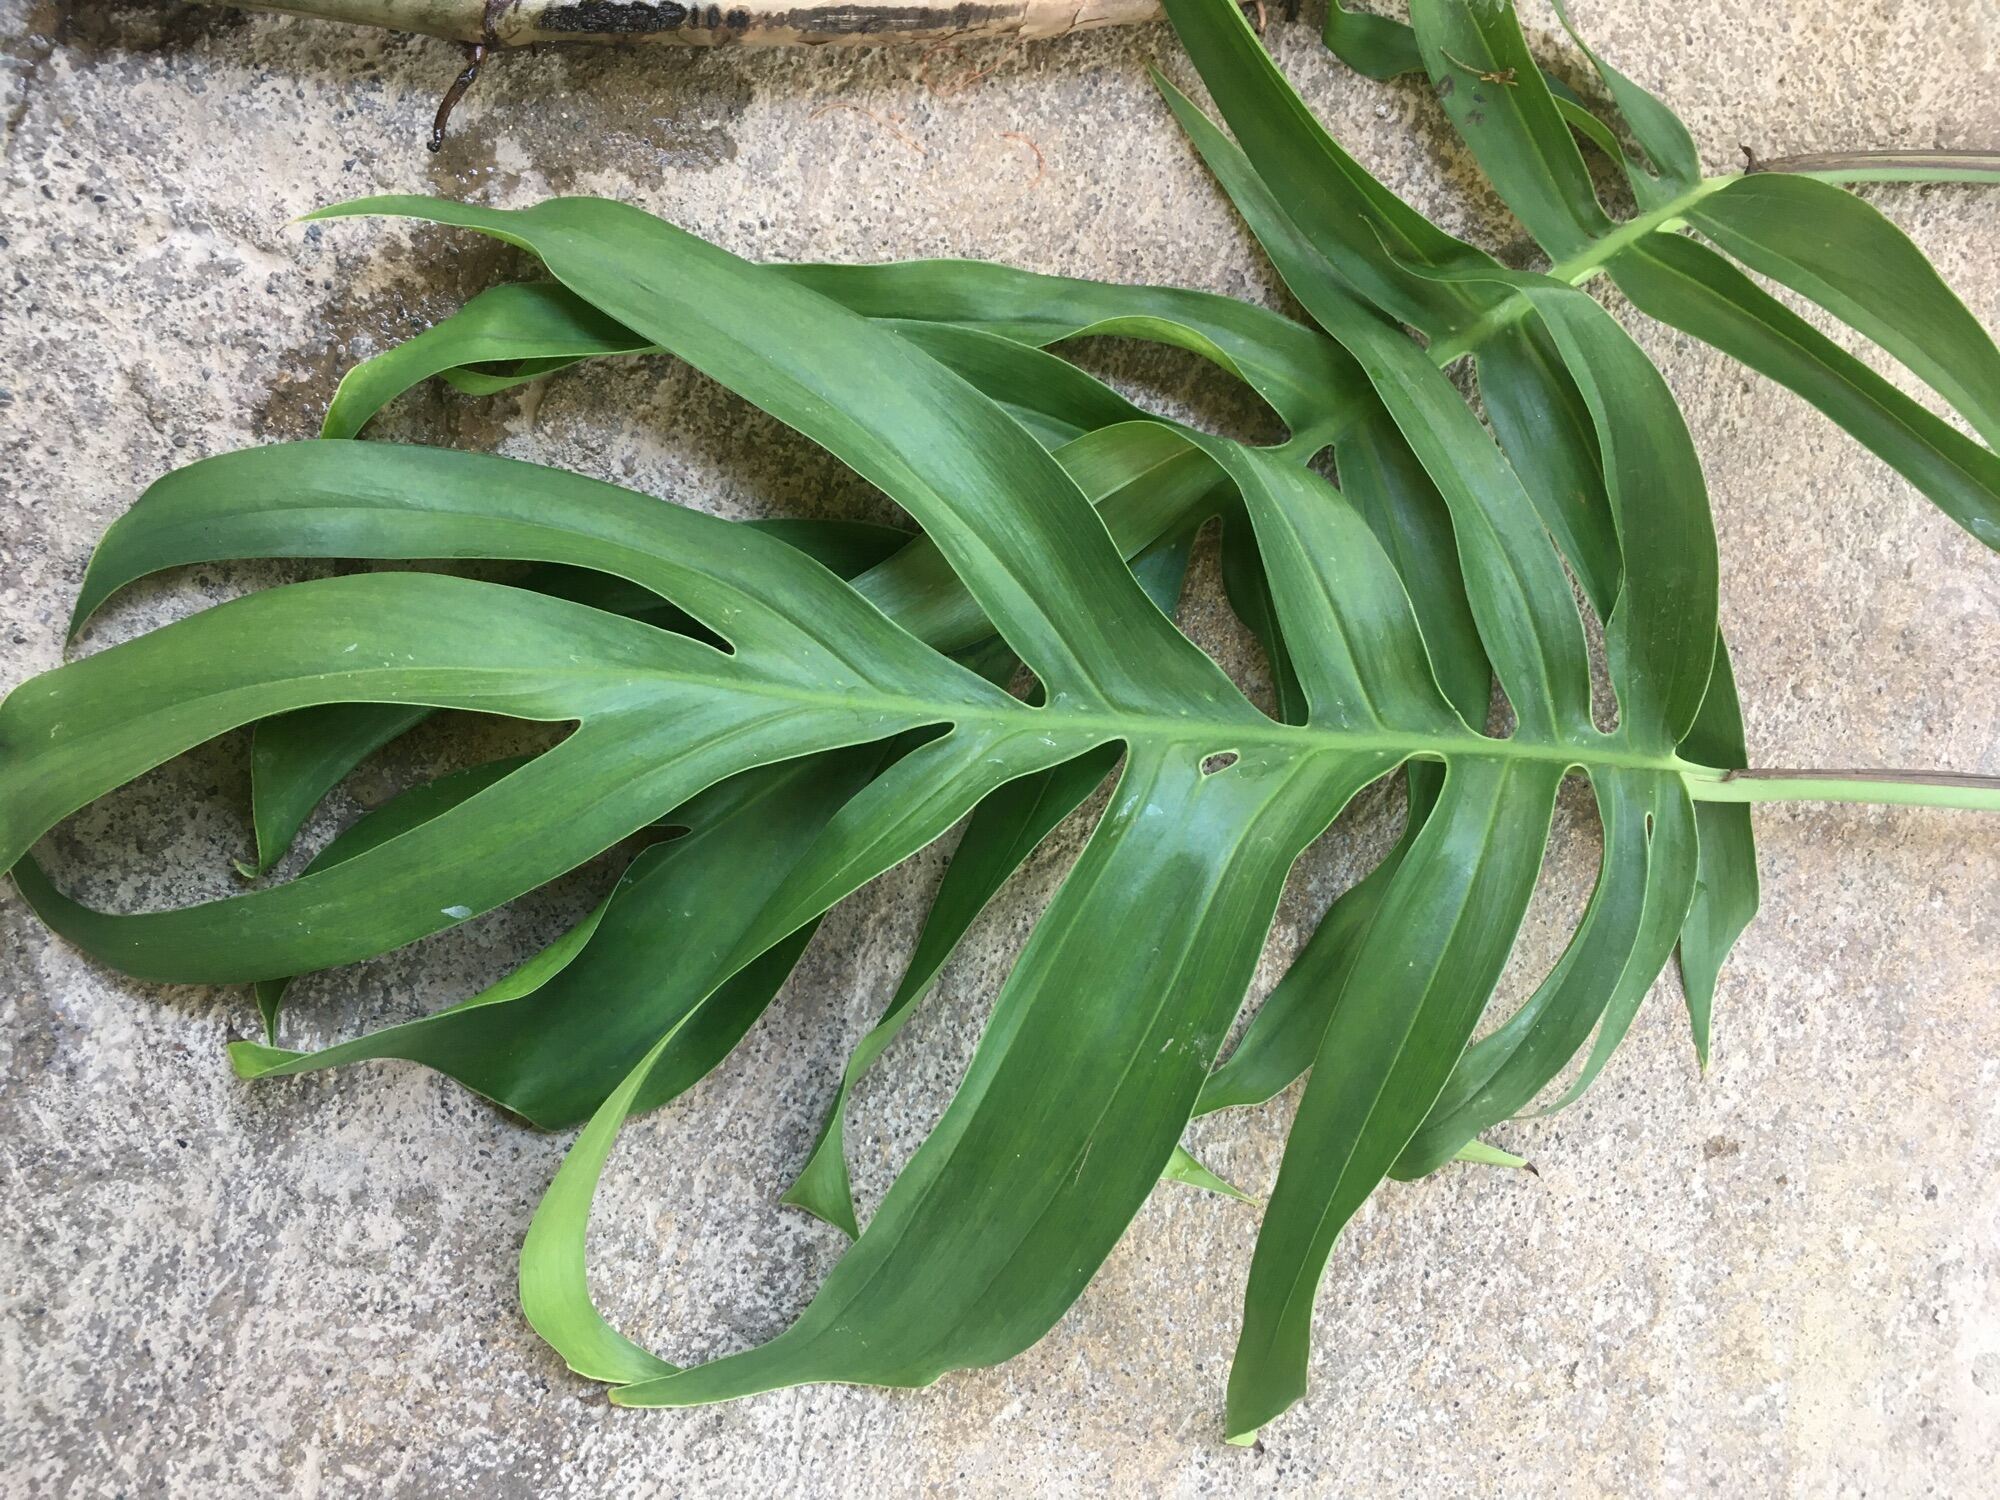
1221, 760
1177, 383
1209, 616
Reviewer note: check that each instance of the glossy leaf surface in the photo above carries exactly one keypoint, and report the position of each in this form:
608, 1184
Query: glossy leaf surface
812, 705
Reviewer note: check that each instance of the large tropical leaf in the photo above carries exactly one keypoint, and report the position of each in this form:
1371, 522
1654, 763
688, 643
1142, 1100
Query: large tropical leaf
812, 704
1560, 398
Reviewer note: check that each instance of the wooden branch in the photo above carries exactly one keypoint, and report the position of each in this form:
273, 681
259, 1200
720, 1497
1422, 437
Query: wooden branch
523, 23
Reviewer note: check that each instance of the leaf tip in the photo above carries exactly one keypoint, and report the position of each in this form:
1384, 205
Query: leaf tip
828, 1208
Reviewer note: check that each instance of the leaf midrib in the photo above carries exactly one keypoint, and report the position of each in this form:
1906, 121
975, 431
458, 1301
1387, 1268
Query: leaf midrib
1097, 724
1100, 724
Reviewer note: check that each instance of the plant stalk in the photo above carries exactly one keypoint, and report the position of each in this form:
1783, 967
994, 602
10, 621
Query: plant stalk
1584, 266
1884, 166
1889, 788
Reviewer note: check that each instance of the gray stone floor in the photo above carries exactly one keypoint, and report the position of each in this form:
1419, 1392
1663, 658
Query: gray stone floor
1782, 1279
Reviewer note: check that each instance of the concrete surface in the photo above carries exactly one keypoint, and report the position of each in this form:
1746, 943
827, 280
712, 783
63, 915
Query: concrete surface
1779, 1280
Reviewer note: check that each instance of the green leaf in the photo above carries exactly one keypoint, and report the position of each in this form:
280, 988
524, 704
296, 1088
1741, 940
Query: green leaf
1548, 435
610, 533
1003, 831
1652, 483
1658, 130
1644, 885
1377, 47
544, 327
477, 506
1283, 1037
1344, 686
1249, 594
1725, 892
1184, 1168
401, 813
227, 506
611, 1003
1370, 232
554, 1038
1025, 1320
554, 1274
297, 758
1300, 263
904, 423
1660, 641
1689, 286
1006, 1209
1382, 48
1489, 84
536, 325
1368, 668
1830, 246
1302, 376
1481, 1154
1052, 398
1670, 881
1530, 628
1383, 480
1429, 959
640, 694
1660, 637
1143, 478
810, 734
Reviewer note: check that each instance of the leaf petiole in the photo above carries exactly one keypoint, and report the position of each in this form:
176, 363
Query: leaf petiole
1581, 267
1884, 166
1888, 788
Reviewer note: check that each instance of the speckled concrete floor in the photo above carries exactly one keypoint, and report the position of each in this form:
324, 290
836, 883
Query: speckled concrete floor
1777, 1280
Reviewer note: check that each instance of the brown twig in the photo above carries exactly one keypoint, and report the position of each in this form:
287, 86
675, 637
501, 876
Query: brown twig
959, 83
887, 124
1505, 76
931, 54
1041, 161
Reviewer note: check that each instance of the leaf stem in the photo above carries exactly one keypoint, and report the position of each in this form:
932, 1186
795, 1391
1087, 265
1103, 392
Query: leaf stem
1885, 166
1581, 267
1889, 788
